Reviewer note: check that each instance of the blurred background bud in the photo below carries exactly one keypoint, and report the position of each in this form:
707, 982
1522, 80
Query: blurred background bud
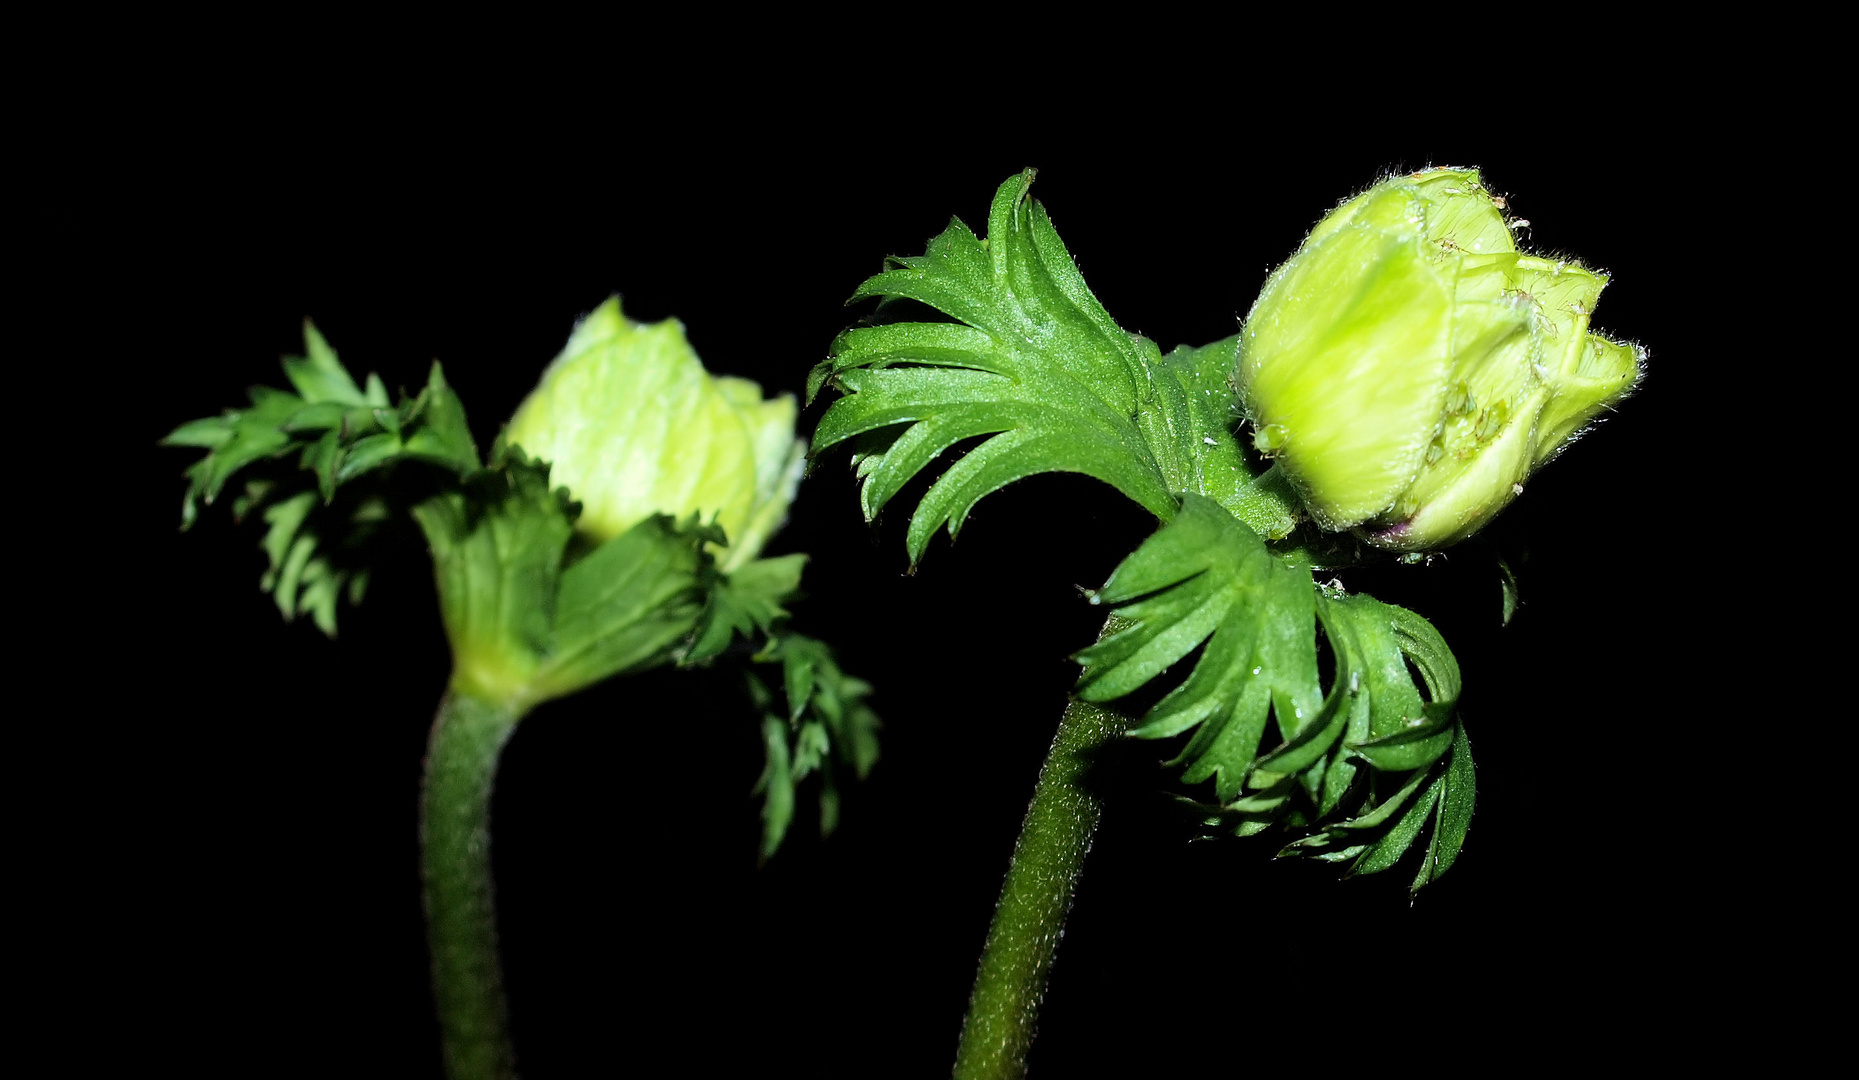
633, 425
1409, 368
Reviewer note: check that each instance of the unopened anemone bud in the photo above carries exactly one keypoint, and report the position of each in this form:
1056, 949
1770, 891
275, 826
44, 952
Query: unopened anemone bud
1409, 367
633, 425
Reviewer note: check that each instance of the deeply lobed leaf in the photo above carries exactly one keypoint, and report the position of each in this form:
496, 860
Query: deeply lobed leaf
1374, 757
828, 728
320, 527
1036, 367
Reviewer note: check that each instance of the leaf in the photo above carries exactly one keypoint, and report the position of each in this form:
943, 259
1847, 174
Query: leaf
829, 730
252, 435
776, 786
1207, 574
1379, 816
211, 432
810, 749
1421, 642
1457, 796
627, 605
1443, 794
285, 519
797, 677
497, 542
318, 376
1403, 732
322, 584
525, 629
1387, 851
1415, 748
746, 601
1206, 581
1196, 411
1036, 368
337, 434
442, 435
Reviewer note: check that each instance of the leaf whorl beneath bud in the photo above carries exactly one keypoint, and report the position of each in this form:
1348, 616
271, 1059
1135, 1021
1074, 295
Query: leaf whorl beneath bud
1365, 763
325, 510
532, 610
1034, 366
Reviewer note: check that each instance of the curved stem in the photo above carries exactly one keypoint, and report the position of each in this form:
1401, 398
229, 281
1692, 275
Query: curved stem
468, 734
1036, 897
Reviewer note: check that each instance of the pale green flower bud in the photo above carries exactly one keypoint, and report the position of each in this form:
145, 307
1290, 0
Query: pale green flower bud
1408, 367
633, 425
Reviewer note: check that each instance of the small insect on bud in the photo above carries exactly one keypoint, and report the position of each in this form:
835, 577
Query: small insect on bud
1409, 367
633, 425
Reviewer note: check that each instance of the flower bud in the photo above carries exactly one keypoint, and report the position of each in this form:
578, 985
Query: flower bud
1408, 367
633, 425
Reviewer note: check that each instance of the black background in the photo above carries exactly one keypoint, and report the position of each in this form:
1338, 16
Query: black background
259, 884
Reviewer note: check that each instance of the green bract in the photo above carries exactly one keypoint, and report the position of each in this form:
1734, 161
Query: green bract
633, 425
1409, 368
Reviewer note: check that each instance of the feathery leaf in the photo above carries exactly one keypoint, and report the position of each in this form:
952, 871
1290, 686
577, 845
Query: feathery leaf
321, 528
1037, 368
1207, 581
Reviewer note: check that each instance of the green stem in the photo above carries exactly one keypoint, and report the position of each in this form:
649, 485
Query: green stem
461, 916
1035, 899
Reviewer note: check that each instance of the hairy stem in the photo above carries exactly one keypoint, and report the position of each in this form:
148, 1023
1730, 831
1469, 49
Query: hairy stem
1037, 895
461, 918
